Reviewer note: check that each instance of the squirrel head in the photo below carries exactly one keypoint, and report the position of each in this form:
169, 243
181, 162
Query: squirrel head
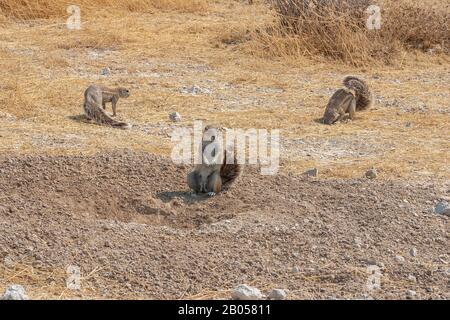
124, 93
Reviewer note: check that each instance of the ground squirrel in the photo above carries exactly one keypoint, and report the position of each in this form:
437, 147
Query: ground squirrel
355, 96
96, 97
212, 176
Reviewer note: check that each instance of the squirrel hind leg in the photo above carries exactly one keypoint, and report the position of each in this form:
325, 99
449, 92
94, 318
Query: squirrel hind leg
214, 184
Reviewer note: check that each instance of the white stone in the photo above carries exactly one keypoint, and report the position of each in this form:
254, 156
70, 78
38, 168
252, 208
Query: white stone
399, 259
410, 294
15, 292
277, 294
245, 292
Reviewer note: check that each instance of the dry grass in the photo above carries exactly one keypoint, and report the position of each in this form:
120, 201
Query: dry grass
337, 30
45, 9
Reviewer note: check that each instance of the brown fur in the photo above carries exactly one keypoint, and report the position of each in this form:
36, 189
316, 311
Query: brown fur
342, 102
213, 178
95, 98
112, 95
355, 96
364, 98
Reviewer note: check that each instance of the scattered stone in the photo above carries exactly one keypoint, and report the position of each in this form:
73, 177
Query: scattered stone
442, 207
410, 294
399, 259
245, 292
312, 172
277, 294
15, 292
175, 116
295, 269
106, 71
195, 90
412, 278
358, 242
371, 173
9, 262
413, 252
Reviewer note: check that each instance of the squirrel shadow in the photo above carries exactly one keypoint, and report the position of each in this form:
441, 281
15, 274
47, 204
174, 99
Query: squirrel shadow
80, 118
186, 196
319, 120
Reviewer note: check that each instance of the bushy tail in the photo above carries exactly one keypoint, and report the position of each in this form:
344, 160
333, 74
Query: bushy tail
364, 97
230, 172
96, 113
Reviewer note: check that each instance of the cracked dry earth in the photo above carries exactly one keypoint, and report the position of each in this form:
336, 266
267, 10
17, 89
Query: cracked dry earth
127, 219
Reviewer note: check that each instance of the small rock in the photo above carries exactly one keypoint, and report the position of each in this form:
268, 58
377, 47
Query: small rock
175, 116
399, 259
195, 90
15, 292
371, 173
106, 71
245, 292
277, 294
410, 294
413, 252
412, 278
295, 269
312, 172
9, 262
442, 207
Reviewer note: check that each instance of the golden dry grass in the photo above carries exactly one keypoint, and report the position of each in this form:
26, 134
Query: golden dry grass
46, 67
337, 30
45, 9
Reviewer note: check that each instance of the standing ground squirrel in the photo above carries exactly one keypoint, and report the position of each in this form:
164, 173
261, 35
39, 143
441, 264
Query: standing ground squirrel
212, 176
355, 96
96, 97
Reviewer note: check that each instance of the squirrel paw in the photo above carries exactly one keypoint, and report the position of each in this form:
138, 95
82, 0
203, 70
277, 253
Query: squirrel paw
211, 194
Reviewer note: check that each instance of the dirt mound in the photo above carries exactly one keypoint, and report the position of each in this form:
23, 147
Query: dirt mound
132, 215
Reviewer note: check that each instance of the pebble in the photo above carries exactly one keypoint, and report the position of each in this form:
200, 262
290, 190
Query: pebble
277, 294
399, 259
413, 252
15, 292
442, 207
371, 173
312, 172
295, 269
245, 292
412, 278
410, 294
175, 116
195, 90
106, 71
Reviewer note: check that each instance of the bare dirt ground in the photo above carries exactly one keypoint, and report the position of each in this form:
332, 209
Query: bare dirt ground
112, 202
128, 220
